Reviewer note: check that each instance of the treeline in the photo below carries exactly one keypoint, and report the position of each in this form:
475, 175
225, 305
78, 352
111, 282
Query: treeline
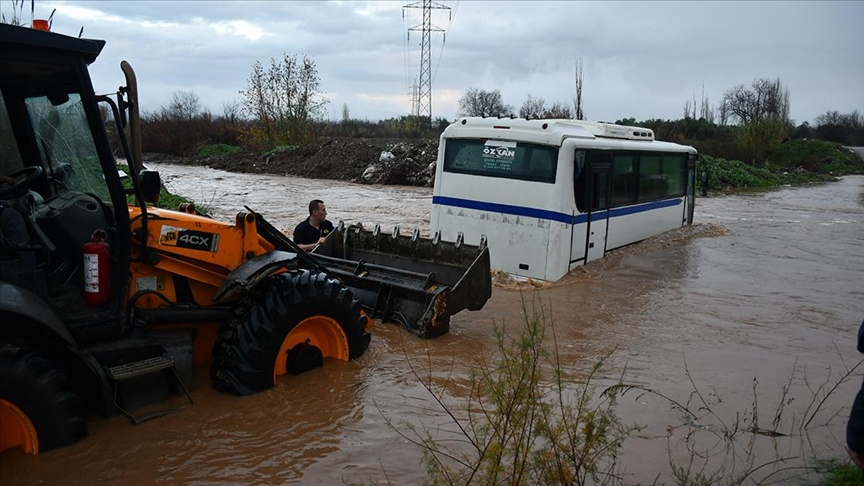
754, 141
183, 127
163, 133
283, 106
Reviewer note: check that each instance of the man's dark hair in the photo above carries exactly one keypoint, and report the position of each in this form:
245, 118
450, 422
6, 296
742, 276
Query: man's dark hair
314, 205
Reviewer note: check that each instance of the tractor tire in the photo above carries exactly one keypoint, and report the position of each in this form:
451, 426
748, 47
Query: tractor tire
37, 396
283, 328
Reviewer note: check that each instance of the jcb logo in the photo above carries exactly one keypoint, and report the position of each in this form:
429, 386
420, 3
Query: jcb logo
187, 238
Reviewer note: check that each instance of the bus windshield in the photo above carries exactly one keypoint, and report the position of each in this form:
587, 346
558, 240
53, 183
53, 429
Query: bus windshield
501, 158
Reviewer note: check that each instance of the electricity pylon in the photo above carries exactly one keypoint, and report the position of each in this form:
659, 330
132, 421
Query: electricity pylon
424, 97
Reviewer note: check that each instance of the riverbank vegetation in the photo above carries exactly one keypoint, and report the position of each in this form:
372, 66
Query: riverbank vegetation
794, 162
167, 200
277, 126
528, 420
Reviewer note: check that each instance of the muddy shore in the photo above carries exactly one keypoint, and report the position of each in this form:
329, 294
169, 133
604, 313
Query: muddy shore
363, 161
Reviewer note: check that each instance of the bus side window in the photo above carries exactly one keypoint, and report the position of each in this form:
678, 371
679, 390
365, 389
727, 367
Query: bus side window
579, 189
625, 179
675, 169
653, 183
599, 182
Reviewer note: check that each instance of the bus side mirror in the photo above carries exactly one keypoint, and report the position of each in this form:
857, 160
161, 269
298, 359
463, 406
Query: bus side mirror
150, 184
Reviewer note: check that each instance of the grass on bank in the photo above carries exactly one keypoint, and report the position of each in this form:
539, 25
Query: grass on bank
525, 423
839, 473
218, 149
167, 200
794, 162
814, 156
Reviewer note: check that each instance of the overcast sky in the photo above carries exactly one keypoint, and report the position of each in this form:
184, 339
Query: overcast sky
641, 59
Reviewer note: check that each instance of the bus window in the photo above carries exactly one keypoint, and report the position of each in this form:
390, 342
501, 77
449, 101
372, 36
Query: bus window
652, 179
625, 179
501, 158
675, 168
601, 184
579, 181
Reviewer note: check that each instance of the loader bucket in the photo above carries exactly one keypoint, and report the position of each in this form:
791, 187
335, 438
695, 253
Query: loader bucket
416, 282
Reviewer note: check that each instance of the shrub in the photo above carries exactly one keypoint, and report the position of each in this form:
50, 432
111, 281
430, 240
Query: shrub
724, 173
524, 423
758, 139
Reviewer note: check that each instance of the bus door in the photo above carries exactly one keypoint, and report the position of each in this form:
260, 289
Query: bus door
689, 196
598, 205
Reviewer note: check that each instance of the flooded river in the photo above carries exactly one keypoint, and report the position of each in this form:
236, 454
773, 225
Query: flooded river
767, 290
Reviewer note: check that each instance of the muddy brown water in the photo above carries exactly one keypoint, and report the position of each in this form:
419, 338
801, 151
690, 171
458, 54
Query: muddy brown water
767, 289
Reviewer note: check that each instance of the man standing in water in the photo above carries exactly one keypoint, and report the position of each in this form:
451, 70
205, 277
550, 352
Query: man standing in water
314, 230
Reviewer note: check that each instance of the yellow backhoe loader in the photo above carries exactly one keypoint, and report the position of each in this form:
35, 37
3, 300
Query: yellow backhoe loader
107, 305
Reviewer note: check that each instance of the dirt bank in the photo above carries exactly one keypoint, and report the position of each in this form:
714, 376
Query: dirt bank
366, 161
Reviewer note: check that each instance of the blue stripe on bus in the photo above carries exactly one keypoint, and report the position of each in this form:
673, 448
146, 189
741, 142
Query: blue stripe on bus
644, 207
550, 215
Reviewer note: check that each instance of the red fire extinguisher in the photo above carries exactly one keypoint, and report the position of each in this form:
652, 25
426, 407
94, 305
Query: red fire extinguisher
97, 269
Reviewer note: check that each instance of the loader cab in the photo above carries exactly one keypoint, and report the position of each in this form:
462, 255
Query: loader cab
64, 181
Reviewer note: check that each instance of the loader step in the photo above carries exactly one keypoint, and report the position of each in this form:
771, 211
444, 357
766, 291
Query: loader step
135, 369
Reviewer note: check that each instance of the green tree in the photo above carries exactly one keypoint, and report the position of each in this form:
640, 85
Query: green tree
759, 138
284, 100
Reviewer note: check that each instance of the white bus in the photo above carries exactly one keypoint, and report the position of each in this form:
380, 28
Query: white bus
550, 195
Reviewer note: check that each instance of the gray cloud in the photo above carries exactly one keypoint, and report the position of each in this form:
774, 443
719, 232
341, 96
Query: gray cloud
642, 59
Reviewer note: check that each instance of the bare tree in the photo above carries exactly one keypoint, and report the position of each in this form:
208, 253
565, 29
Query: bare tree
231, 111
479, 102
705, 110
688, 106
762, 99
346, 114
846, 128
185, 106
284, 100
559, 110
578, 112
532, 108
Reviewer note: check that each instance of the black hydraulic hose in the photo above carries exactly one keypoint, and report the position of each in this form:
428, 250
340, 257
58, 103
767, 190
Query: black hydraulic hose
192, 314
136, 189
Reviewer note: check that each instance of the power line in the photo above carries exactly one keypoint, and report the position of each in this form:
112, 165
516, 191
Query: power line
441, 53
405, 51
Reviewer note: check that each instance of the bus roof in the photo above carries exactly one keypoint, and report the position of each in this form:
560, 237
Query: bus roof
555, 131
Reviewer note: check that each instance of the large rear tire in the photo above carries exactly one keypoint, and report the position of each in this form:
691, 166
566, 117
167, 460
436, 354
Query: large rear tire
296, 320
39, 409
